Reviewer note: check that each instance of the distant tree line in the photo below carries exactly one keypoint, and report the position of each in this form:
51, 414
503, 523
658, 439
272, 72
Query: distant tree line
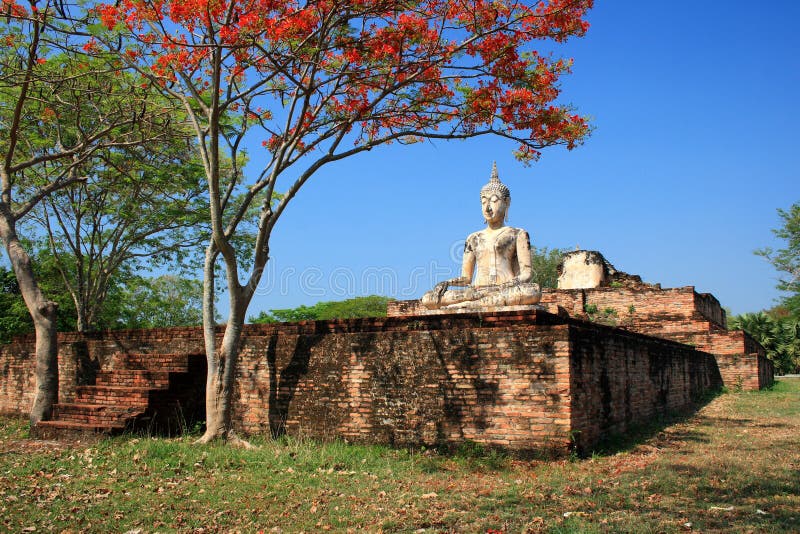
544, 264
778, 333
370, 306
132, 302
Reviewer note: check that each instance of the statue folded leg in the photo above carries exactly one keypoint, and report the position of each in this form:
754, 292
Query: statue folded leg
435, 298
482, 297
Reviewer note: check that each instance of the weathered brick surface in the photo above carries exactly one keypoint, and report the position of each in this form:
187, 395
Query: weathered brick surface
521, 380
503, 385
17, 363
621, 379
679, 314
631, 304
133, 378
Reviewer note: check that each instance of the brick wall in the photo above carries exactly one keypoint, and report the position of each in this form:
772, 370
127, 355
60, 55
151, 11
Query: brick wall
632, 304
498, 380
519, 380
17, 364
678, 314
620, 379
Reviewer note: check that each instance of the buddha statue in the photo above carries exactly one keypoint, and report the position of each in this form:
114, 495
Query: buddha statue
496, 269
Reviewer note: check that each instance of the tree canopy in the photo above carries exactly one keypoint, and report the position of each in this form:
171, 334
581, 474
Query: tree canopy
787, 259
544, 264
779, 335
778, 329
132, 301
370, 306
139, 208
157, 302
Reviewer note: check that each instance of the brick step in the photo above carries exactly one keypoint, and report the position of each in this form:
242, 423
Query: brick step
154, 362
134, 378
113, 395
99, 414
657, 325
74, 430
160, 392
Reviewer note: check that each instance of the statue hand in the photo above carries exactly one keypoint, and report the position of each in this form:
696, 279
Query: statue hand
441, 287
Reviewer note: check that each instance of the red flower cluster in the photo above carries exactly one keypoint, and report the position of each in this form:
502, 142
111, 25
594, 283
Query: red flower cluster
465, 65
10, 8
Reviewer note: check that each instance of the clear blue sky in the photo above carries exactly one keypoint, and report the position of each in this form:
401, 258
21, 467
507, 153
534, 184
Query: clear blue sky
695, 106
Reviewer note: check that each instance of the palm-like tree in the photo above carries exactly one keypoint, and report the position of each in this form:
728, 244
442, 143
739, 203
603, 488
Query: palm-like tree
780, 337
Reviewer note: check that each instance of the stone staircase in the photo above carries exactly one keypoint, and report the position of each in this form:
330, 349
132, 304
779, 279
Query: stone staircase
160, 393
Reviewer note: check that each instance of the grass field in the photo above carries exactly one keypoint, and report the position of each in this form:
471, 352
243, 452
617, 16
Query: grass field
734, 466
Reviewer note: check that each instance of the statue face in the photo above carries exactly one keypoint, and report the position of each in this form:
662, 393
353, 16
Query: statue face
494, 208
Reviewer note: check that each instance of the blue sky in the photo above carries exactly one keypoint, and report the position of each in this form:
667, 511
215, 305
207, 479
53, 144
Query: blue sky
695, 110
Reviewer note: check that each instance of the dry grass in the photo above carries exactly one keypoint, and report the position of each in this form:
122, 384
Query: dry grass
732, 467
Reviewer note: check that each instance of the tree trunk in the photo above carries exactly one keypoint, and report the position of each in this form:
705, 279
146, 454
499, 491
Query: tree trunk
46, 363
80, 323
222, 361
43, 312
220, 384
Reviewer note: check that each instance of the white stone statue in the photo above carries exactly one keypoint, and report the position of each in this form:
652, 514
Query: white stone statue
496, 270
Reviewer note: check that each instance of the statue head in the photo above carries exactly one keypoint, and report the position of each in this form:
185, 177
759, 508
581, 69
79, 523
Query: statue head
495, 199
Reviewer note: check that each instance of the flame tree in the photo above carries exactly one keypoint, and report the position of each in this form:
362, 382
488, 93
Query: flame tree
317, 81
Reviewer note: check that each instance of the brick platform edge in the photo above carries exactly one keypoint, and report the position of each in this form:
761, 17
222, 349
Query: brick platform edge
678, 314
525, 381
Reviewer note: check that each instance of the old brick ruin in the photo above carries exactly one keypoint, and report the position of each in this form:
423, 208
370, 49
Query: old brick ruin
595, 363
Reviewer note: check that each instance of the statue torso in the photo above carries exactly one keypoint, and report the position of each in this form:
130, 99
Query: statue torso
495, 255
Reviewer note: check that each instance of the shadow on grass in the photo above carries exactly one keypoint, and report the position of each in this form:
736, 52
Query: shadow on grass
744, 500
636, 434
770, 425
468, 454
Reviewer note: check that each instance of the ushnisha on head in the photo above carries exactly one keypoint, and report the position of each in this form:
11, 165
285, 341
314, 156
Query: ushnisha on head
495, 199
495, 186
